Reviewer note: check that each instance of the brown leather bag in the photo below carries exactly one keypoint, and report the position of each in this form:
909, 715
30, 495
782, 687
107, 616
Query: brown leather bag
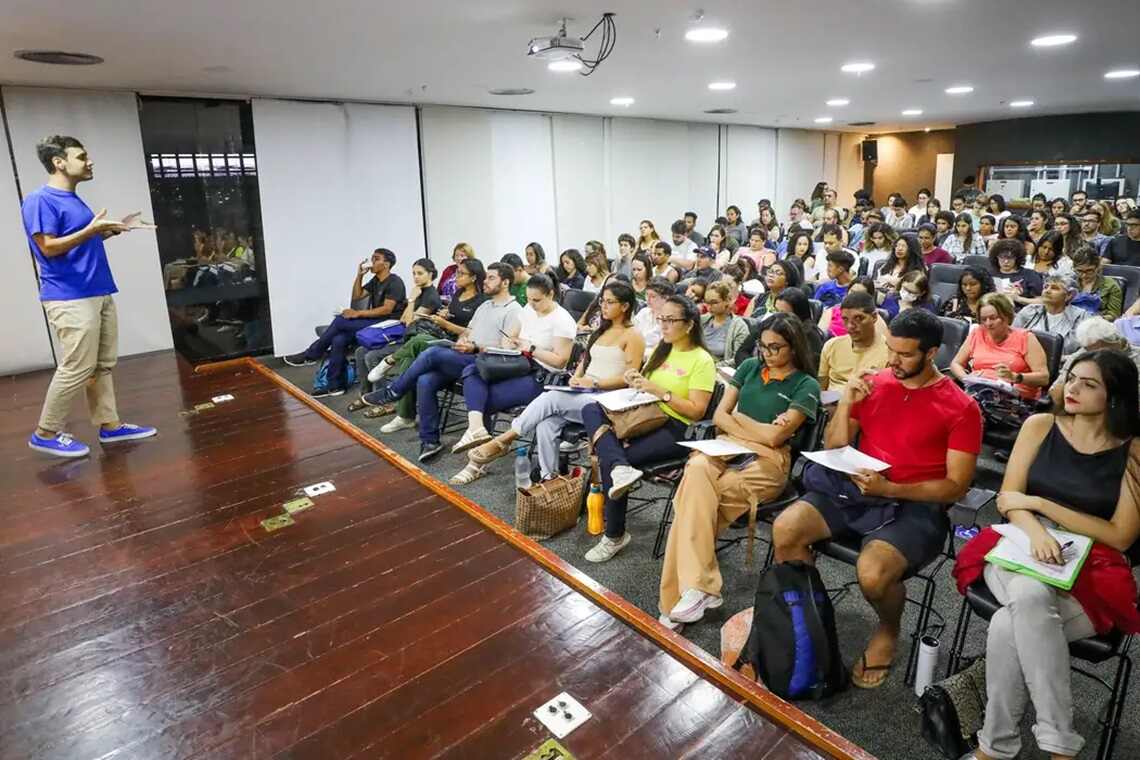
637, 421
546, 509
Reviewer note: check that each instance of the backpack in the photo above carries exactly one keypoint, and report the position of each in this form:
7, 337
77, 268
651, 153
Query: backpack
321, 377
380, 334
792, 646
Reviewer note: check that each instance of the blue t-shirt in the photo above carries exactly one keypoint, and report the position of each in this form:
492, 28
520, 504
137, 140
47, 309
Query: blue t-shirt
82, 272
831, 293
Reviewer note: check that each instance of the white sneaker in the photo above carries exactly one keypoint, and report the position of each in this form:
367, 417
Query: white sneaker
470, 439
569, 447
396, 424
605, 549
672, 625
692, 605
380, 370
623, 478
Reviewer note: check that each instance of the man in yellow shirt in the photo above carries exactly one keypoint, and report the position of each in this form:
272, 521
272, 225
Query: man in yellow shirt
862, 348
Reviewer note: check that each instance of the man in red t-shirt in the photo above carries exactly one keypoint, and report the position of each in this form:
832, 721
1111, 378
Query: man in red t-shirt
929, 431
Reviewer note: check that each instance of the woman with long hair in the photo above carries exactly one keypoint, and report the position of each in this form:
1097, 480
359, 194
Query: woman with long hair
682, 375
782, 274
718, 242
801, 251
907, 258
764, 407
597, 271
1077, 470
771, 226
647, 238
1013, 228
795, 302
571, 270
612, 350
460, 253
641, 271
878, 244
913, 293
1039, 223
1058, 206
724, 332
1048, 258
962, 240
536, 262
997, 207
817, 195
973, 283
1069, 229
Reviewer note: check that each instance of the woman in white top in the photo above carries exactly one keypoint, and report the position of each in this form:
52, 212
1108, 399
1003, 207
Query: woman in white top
962, 240
878, 245
545, 333
1049, 258
597, 270
613, 349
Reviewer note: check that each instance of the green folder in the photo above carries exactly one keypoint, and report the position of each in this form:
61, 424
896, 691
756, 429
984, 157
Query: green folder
1000, 556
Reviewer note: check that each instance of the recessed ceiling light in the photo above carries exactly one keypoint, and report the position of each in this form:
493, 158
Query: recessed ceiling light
706, 34
566, 64
622, 101
838, 102
823, 120
58, 57
857, 68
511, 91
1122, 74
722, 85
1020, 103
1053, 40
912, 112
959, 89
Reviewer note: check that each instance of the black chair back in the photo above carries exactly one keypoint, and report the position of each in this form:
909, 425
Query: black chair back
1131, 281
576, 302
981, 262
1054, 346
816, 310
944, 280
954, 332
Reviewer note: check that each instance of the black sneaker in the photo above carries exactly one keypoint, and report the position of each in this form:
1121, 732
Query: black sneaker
329, 393
429, 451
299, 360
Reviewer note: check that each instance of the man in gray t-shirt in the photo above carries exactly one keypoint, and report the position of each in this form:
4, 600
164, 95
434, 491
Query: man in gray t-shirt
440, 366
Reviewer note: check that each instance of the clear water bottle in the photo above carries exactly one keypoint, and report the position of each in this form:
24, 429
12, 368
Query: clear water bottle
522, 468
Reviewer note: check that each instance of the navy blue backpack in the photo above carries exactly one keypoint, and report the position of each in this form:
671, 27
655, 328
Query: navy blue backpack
792, 646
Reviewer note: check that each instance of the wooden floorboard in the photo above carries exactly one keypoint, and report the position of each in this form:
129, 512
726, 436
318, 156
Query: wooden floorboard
145, 613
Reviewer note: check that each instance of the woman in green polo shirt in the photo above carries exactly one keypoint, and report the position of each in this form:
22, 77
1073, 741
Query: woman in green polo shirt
764, 406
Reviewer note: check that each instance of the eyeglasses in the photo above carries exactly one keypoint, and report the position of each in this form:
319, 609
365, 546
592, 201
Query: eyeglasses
670, 320
772, 348
610, 302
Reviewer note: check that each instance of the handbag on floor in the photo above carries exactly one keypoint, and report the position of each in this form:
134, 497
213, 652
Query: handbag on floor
953, 710
547, 508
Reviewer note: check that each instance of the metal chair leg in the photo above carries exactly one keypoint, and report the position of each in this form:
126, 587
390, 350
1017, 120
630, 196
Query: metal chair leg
663, 528
1115, 708
924, 611
959, 642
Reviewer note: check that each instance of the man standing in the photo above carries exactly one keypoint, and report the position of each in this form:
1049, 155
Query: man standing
387, 298
929, 432
1125, 249
76, 286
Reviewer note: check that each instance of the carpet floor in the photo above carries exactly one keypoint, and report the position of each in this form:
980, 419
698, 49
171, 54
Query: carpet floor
884, 721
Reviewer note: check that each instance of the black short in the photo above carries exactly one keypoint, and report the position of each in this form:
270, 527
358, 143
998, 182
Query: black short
917, 529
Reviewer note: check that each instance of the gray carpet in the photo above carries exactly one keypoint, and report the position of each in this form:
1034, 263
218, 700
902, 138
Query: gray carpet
885, 722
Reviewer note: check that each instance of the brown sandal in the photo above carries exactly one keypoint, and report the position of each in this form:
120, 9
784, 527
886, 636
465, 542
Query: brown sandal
488, 452
383, 410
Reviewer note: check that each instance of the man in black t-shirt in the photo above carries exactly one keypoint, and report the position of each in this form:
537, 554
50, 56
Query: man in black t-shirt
387, 298
1125, 248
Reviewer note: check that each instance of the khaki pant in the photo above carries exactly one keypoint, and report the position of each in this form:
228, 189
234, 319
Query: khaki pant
709, 498
88, 334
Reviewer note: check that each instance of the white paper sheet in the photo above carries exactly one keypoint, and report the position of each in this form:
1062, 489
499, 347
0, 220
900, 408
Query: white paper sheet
718, 447
829, 397
625, 398
847, 459
987, 382
1015, 549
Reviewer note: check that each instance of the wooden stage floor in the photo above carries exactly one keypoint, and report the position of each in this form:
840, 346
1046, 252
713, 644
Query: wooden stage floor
146, 613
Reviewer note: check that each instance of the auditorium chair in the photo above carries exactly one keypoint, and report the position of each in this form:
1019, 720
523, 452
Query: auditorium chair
980, 601
576, 302
1003, 438
816, 310
944, 280
981, 262
954, 333
1129, 279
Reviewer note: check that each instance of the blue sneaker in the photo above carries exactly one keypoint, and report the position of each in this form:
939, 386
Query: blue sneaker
63, 445
379, 397
126, 432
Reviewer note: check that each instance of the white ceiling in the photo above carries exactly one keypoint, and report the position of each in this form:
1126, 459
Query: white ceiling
784, 56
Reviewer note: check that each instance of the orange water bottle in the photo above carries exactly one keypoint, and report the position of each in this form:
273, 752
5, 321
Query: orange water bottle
595, 506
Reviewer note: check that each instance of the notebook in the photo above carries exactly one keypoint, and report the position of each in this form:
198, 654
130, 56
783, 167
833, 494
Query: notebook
1013, 553
625, 398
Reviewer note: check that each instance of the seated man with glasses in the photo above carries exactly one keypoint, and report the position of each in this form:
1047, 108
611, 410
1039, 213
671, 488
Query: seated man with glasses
1124, 249
1090, 229
929, 433
848, 356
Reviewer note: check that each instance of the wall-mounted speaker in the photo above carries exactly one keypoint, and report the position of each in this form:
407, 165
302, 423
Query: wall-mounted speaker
871, 150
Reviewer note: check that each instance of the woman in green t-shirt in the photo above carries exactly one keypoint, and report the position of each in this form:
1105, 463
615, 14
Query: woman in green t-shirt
763, 408
682, 374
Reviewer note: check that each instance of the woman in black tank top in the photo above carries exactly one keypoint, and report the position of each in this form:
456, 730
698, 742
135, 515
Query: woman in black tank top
1077, 470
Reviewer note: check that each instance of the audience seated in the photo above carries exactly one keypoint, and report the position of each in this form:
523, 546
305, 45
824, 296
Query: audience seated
691, 231
647, 237
706, 267
862, 349
1076, 470
1125, 249
897, 216
571, 270
1048, 257
447, 285
641, 272
907, 258
518, 282
898, 516
999, 351
793, 301
1096, 293
736, 228
1011, 278
684, 254
682, 374
614, 349
439, 366
1093, 334
1055, 313
831, 319
627, 246
724, 332
386, 300
913, 292
839, 277
759, 252
1090, 219
763, 408
646, 321
660, 255
801, 252
973, 283
782, 274
597, 270
878, 245
963, 241
932, 254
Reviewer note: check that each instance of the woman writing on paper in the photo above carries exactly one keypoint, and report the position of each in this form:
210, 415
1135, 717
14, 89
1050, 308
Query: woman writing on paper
613, 349
1079, 471
764, 406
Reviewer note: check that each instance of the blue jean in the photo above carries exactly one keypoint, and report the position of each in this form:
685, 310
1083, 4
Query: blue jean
335, 342
657, 446
430, 373
488, 398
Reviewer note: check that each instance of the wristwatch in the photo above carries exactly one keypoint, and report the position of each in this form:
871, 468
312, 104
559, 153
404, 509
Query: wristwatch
1018, 378
532, 349
667, 397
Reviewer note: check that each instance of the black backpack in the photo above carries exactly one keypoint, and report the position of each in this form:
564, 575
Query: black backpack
748, 347
793, 647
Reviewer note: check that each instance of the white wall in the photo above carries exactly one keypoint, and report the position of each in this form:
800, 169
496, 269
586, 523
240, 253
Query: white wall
749, 168
26, 344
108, 125
488, 181
799, 165
336, 181
580, 181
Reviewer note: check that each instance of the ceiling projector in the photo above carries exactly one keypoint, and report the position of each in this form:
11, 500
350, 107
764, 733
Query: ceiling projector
555, 48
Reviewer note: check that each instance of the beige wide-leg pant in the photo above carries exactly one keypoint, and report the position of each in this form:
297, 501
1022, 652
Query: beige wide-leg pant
88, 334
711, 496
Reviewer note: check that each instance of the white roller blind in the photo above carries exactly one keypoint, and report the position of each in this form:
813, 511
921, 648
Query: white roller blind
750, 167
107, 123
488, 181
336, 182
580, 182
799, 165
26, 342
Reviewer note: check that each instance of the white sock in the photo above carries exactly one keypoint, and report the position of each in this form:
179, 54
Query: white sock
475, 421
